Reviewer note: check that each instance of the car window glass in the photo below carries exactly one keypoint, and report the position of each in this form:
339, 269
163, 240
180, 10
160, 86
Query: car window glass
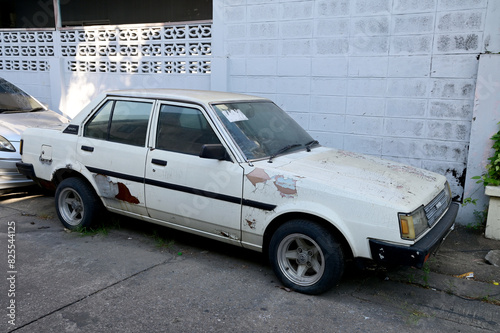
120, 121
14, 99
183, 130
97, 127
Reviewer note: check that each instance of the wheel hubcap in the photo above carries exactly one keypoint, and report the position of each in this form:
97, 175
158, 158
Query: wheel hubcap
300, 259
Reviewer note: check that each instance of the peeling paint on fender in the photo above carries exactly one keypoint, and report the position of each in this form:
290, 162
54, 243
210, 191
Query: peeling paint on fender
109, 189
258, 176
286, 186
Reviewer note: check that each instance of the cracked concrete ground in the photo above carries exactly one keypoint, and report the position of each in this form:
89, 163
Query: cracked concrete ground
138, 277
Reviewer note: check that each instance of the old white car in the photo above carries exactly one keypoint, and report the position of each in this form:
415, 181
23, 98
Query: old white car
237, 168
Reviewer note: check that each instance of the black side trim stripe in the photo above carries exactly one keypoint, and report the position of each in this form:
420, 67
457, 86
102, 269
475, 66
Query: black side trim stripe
185, 189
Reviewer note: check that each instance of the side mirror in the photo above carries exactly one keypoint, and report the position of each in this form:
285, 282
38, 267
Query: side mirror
214, 152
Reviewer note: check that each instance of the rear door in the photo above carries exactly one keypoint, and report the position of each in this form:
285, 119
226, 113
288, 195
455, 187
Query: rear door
113, 149
203, 195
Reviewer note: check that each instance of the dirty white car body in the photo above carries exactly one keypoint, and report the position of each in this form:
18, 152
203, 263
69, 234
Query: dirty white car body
18, 111
309, 207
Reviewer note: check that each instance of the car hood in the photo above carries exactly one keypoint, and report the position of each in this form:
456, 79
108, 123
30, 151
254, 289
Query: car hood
361, 177
13, 124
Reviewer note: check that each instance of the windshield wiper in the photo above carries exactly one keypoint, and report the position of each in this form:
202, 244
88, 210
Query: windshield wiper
310, 144
282, 150
37, 109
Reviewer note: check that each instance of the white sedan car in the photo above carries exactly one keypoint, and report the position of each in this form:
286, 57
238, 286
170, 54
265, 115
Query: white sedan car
238, 169
18, 111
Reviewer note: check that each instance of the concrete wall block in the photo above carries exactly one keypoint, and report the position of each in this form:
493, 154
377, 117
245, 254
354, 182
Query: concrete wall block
294, 66
367, 87
236, 49
235, 14
293, 85
237, 66
414, 6
368, 66
364, 125
399, 147
297, 10
331, 46
328, 104
455, 66
332, 8
366, 45
451, 109
448, 130
407, 128
236, 31
409, 66
260, 13
262, 48
458, 43
365, 106
453, 89
263, 30
330, 66
297, 29
461, 4
410, 45
371, 7
261, 66
294, 103
235, 2
410, 108
257, 84
442, 151
237, 83
327, 139
296, 47
327, 122
331, 27
328, 86
407, 88
370, 26
471, 20
363, 144
412, 24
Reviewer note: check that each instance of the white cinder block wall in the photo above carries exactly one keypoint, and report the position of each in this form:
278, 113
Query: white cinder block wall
392, 78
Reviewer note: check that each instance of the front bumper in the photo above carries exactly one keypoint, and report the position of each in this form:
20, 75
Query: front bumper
417, 254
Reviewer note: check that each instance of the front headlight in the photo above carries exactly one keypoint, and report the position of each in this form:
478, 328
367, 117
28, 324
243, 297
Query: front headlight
413, 224
5, 145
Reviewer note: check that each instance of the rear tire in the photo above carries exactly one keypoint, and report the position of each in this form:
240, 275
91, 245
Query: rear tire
306, 257
76, 203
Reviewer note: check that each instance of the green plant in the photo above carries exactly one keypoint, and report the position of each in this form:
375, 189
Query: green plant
492, 175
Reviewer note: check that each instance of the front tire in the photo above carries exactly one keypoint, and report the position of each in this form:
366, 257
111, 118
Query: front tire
76, 203
306, 257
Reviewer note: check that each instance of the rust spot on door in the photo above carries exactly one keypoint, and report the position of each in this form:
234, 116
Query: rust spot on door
125, 195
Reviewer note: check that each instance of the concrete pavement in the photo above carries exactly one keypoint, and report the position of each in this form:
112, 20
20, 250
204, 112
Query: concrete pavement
138, 277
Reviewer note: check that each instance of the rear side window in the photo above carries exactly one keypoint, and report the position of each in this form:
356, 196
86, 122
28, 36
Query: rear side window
120, 121
183, 130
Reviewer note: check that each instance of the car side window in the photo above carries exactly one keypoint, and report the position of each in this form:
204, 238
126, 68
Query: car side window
120, 121
183, 130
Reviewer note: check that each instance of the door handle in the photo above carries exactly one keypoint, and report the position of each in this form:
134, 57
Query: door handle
87, 148
159, 162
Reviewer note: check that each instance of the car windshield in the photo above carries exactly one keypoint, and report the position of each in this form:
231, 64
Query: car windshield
262, 129
14, 99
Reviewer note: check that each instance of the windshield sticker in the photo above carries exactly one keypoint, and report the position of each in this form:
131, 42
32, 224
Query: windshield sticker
234, 115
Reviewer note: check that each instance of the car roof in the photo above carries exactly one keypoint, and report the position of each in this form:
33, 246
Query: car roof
197, 96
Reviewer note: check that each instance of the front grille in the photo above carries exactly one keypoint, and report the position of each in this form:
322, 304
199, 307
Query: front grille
437, 207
